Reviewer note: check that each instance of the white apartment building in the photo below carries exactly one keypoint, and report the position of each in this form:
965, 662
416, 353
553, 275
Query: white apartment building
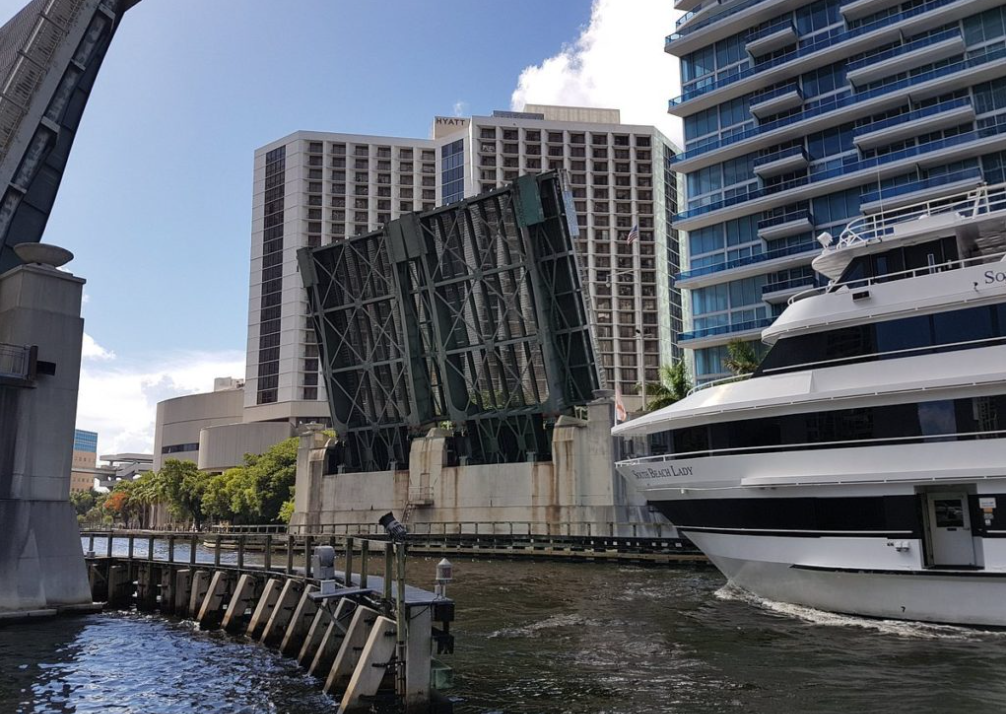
312, 188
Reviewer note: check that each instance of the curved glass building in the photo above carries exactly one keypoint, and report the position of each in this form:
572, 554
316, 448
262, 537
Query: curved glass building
802, 116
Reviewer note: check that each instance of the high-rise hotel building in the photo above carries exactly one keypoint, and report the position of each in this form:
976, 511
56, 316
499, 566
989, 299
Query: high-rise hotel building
313, 188
800, 117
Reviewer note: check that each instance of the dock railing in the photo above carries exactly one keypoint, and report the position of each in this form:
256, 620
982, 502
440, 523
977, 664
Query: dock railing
265, 552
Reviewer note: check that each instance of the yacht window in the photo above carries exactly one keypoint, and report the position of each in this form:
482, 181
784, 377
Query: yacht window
868, 426
946, 331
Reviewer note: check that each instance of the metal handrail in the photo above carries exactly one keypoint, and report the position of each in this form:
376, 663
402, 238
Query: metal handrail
824, 43
811, 445
721, 380
747, 260
900, 275
981, 201
839, 102
726, 329
920, 185
931, 110
847, 169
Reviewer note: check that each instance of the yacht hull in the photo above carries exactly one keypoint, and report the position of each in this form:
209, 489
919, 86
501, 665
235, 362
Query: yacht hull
771, 568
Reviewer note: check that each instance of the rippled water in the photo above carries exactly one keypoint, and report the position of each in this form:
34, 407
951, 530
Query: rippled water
539, 637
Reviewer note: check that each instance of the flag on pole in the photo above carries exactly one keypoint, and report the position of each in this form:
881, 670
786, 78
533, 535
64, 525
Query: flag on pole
633, 235
620, 413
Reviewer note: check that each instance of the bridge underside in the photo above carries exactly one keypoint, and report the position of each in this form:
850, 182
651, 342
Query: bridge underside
50, 54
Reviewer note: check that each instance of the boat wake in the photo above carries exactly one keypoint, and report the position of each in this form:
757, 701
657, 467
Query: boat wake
898, 628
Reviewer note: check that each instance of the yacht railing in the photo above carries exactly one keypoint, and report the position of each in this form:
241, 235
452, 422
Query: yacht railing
811, 446
901, 275
717, 382
968, 205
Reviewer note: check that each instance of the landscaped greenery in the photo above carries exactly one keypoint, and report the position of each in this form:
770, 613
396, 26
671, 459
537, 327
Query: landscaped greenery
260, 491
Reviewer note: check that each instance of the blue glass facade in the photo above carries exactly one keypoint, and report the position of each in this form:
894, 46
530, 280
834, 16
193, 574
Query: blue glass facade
452, 171
85, 441
800, 119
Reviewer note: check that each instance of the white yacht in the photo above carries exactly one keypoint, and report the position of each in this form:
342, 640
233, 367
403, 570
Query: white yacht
862, 468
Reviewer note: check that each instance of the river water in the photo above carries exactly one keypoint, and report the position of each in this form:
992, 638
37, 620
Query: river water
538, 637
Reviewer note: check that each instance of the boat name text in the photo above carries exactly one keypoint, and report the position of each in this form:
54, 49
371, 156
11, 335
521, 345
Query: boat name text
664, 472
994, 276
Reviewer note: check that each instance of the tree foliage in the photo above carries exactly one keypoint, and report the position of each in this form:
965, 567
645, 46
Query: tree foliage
742, 357
673, 386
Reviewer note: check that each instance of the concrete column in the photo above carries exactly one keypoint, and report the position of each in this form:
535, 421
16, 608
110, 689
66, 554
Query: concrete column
300, 621
370, 671
182, 592
418, 646
331, 641
41, 560
211, 611
315, 633
241, 601
200, 585
167, 604
282, 612
310, 477
263, 611
120, 585
352, 646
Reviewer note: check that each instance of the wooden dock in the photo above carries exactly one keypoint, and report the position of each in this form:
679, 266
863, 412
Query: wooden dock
361, 629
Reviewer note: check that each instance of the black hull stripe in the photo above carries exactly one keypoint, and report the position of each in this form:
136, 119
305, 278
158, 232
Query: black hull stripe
757, 532
820, 517
935, 572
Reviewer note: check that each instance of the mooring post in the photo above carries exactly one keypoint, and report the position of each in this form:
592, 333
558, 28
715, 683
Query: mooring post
389, 569
307, 556
349, 562
171, 548
192, 549
364, 552
401, 621
129, 547
289, 554
216, 549
241, 551
150, 548
267, 558
108, 545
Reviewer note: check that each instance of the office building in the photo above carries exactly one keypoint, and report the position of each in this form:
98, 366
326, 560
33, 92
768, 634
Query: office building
314, 188
84, 461
800, 117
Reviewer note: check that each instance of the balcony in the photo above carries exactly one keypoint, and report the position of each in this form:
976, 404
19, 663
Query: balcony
901, 59
776, 100
786, 225
937, 116
974, 70
919, 191
781, 162
739, 268
17, 365
722, 334
823, 51
934, 153
861, 8
782, 290
773, 38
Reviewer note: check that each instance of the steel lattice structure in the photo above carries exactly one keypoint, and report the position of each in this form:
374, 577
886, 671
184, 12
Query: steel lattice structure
472, 314
50, 55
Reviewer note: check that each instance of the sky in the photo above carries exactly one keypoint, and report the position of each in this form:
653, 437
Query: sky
156, 199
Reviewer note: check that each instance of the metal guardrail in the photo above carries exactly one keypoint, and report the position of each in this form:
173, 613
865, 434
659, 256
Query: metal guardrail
294, 552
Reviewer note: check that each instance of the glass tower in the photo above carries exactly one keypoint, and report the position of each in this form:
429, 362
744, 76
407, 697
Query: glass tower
800, 117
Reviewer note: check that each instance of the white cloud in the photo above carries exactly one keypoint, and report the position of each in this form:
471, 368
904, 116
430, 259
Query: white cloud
461, 108
617, 62
119, 399
92, 350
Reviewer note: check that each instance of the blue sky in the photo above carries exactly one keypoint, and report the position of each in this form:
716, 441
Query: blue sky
156, 200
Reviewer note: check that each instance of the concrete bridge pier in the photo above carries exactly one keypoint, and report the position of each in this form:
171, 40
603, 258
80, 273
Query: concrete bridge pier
41, 560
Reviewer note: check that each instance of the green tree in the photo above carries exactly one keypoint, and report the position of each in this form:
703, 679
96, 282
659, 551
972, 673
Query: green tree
673, 386
742, 357
184, 486
83, 501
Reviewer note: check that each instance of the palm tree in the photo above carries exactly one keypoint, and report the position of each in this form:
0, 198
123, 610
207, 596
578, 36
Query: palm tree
673, 386
742, 357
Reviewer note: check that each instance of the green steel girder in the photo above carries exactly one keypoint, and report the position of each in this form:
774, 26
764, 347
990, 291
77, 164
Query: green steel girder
473, 314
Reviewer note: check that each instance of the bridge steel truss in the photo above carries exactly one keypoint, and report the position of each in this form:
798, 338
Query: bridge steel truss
50, 54
472, 314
